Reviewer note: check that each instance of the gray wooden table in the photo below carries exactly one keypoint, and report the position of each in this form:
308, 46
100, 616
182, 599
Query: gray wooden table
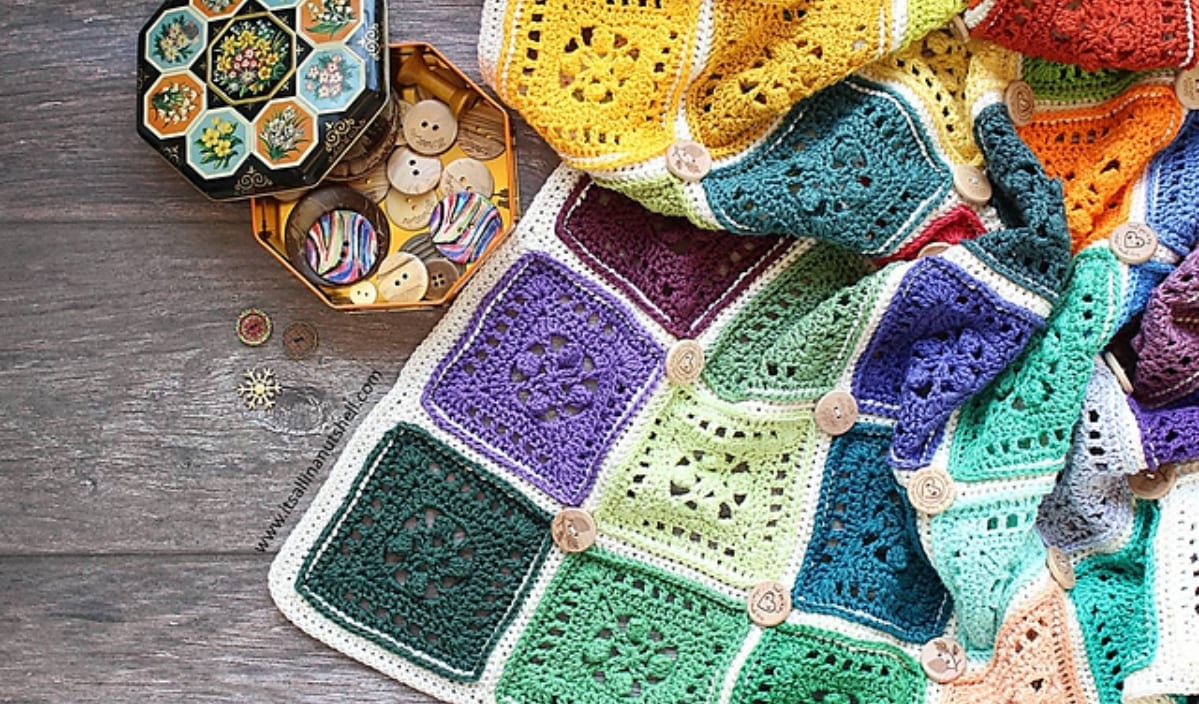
133, 486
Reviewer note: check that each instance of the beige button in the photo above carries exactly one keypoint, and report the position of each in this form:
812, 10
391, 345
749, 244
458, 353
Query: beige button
685, 362
769, 604
932, 249
1186, 85
943, 660
573, 530
442, 275
688, 160
931, 490
972, 184
374, 184
1151, 485
1060, 567
402, 278
481, 132
961, 31
1118, 372
403, 106
836, 412
363, 293
430, 127
412, 173
1133, 243
410, 212
1021, 102
466, 175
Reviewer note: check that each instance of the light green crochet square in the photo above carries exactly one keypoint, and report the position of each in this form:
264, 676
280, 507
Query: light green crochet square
713, 487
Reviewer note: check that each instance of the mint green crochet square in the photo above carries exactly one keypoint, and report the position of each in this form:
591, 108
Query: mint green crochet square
712, 487
794, 664
610, 630
794, 339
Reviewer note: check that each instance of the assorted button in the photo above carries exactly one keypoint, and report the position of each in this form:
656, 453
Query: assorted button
1153, 485
363, 293
430, 127
769, 604
402, 278
469, 175
573, 530
685, 362
1118, 372
1133, 243
931, 490
836, 412
961, 31
373, 184
413, 173
253, 327
300, 340
410, 211
463, 225
1186, 86
943, 660
422, 246
442, 276
1021, 102
933, 249
481, 132
972, 184
1060, 567
687, 160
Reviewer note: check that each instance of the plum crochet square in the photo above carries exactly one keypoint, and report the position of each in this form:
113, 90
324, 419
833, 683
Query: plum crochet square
680, 275
613, 630
545, 377
430, 558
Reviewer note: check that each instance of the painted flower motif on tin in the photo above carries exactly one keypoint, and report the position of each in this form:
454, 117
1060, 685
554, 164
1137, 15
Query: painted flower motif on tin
283, 133
175, 41
328, 77
218, 5
251, 58
218, 143
329, 16
174, 103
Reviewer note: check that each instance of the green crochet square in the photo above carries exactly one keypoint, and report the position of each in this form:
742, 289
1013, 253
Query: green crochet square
611, 630
805, 664
713, 487
429, 557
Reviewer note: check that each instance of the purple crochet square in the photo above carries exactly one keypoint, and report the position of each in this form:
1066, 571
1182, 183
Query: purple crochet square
545, 377
680, 275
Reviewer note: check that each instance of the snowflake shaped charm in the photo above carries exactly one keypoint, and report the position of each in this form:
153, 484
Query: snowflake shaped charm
259, 389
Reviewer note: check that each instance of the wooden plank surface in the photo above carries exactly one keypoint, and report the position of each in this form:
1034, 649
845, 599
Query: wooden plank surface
133, 487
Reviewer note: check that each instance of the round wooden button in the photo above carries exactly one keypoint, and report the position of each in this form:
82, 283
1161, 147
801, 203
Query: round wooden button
374, 184
469, 175
972, 184
769, 604
1021, 102
1148, 484
430, 127
402, 108
403, 278
931, 490
253, 327
442, 275
412, 173
961, 31
685, 362
836, 412
943, 660
422, 246
573, 530
1060, 567
410, 211
481, 132
689, 161
1134, 243
932, 249
363, 293
1186, 85
1118, 371
300, 340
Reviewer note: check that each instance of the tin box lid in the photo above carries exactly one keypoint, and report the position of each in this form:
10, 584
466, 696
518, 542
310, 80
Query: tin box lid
249, 97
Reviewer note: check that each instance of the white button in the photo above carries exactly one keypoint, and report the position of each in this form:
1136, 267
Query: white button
689, 161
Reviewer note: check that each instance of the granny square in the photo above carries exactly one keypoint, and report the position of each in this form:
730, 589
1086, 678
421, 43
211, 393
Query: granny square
430, 559
546, 375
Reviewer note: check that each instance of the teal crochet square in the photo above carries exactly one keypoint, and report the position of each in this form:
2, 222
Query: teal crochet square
611, 630
429, 557
806, 664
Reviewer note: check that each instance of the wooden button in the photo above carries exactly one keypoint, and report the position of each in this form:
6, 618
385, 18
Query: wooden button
971, 184
689, 161
1118, 372
943, 660
685, 362
1133, 243
402, 278
442, 275
573, 530
412, 173
411, 212
430, 127
253, 327
836, 412
932, 249
422, 246
1021, 102
363, 293
481, 132
1060, 567
961, 31
402, 107
1148, 484
931, 490
470, 175
374, 184
1186, 85
769, 604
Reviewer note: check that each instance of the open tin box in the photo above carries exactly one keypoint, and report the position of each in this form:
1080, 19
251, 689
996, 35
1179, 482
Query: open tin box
381, 177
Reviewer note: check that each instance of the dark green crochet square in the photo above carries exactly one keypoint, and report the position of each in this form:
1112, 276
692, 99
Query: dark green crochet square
429, 557
805, 664
611, 630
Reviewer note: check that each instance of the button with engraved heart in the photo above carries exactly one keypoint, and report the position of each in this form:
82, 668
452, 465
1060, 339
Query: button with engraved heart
769, 604
685, 362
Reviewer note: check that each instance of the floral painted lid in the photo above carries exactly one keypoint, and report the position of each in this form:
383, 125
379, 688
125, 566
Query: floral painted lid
246, 97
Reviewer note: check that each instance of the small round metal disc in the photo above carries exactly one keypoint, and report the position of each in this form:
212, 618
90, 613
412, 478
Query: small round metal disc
1133, 243
769, 604
253, 327
1151, 485
1060, 567
685, 362
573, 530
943, 660
931, 490
300, 339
